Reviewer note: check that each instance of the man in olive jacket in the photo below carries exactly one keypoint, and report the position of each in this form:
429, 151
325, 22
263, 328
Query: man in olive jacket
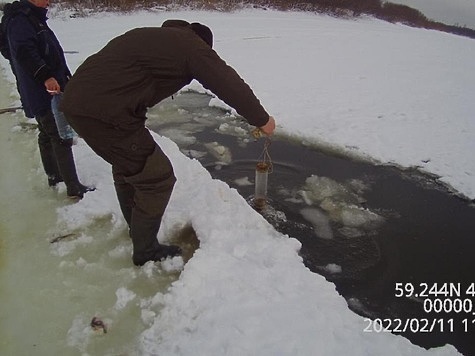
106, 103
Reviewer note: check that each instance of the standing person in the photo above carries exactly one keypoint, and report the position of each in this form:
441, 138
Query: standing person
106, 103
40, 68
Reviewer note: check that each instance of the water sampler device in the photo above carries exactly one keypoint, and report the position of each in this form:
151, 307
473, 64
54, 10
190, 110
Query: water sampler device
263, 168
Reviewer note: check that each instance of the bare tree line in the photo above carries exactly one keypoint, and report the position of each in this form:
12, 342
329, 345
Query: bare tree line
340, 8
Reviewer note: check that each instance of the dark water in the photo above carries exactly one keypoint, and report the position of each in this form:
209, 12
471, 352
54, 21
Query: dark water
425, 235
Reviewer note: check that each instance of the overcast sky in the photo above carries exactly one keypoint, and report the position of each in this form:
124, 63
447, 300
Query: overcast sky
450, 12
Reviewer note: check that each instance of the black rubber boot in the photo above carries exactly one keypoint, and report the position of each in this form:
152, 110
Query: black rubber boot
48, 160
153, 187
144, 232
77, 191
67, 167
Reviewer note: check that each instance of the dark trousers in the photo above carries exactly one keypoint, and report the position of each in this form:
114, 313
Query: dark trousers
56, 153
143, 175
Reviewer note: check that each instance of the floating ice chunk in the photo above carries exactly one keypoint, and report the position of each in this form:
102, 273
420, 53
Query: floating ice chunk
307, 198
120, 251
148, 269
330, 206
81, 262
320, 222
340, 203
244, 181
240, 131
357, 306
291, 195
332, 268
224, 127
166, 114
64, 248
351, 216
232, 130
354, 216
173, 264
222, 153
124, 296
192, 127
221, 150
359, 186
181, 137
320, 188
79, 333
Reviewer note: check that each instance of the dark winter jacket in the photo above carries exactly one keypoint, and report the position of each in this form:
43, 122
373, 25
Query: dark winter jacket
146, 65
36, 56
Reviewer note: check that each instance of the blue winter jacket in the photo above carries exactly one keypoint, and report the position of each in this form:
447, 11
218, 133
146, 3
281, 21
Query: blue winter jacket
36, 56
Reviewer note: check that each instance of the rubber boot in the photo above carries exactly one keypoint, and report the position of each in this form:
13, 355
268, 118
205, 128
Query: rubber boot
65, 160
144, 232
153, 187
48, 160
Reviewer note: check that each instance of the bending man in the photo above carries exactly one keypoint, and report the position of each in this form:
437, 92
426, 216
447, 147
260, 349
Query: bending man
106, 103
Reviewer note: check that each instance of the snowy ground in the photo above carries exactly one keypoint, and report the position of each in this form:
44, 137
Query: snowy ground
387, 92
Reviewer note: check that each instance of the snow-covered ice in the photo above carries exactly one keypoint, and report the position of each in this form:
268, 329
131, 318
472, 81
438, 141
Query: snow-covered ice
384, 91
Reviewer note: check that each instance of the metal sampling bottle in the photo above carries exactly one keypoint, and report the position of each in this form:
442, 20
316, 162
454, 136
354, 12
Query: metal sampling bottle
263, 168
260, 193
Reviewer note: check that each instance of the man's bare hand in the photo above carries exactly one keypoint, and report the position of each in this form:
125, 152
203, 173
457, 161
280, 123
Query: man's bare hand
268, 129
52, 86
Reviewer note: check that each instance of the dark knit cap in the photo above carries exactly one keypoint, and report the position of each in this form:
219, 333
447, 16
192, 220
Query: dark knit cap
204, 32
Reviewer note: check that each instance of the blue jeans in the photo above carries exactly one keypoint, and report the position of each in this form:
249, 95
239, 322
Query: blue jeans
65, 131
